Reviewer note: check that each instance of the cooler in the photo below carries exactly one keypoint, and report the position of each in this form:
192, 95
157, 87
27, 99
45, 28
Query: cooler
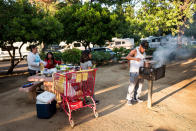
46, 105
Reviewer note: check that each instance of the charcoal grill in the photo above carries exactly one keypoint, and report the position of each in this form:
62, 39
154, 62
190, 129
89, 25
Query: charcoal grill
150, 73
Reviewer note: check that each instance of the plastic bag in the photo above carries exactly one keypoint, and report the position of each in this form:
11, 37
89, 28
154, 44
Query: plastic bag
70, 90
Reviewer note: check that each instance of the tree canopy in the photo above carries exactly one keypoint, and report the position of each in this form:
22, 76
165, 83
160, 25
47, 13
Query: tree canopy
88, 23
21, 21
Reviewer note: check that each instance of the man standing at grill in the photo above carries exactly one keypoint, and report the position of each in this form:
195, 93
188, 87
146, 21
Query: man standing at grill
136, 58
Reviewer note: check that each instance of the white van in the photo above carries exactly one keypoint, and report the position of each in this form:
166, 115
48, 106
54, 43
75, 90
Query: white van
75, 44
154, 42
117, 43
4, 55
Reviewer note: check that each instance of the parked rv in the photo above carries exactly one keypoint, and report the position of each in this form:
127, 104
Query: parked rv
117, 43
153, 41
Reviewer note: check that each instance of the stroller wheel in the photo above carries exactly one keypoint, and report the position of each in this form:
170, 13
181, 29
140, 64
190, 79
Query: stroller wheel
96, 114
72, 123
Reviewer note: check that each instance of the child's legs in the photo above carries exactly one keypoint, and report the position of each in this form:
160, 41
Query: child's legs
132, 85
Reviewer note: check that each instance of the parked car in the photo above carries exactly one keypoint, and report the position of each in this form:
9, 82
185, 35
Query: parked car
193, 44
104, 49
154, 42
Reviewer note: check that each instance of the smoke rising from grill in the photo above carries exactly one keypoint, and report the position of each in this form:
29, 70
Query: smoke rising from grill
170, 51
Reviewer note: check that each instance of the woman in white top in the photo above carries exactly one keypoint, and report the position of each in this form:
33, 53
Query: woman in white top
34, 61
86, 63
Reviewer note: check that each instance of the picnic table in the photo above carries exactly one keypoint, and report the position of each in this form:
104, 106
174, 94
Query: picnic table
31, 90
47, 82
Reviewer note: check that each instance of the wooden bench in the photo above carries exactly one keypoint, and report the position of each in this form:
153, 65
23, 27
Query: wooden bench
31, 90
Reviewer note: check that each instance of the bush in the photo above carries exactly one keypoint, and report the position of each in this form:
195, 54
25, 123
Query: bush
100, 56
57, 55
71, 56
42, 55
121, 52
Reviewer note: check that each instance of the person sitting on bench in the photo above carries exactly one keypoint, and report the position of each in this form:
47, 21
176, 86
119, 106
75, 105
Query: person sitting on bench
34, 61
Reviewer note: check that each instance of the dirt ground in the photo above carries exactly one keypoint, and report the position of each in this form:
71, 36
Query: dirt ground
174, 104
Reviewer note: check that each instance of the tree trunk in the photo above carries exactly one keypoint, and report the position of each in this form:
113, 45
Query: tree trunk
179, 42
184, 19
12, 61
45, 47
10, 70
89, 47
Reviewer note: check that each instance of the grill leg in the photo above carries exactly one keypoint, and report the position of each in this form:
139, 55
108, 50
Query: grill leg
150, 85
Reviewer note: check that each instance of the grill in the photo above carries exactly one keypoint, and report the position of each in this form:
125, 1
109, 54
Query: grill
151, 73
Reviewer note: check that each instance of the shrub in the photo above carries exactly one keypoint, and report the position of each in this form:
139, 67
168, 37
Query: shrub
121, 52
57, 55
71, 56
42, 55
100, 56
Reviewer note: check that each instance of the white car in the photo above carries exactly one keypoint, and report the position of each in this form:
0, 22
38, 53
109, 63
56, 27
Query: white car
4, 55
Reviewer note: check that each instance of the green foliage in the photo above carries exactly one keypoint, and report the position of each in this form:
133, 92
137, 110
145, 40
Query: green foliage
113, 2
163, 17
67, 17
100, 56
191, 31
42, 55
23, 21
71, 56
121, 52
16, 21
150, 51
50, 30
57, 56
88, 23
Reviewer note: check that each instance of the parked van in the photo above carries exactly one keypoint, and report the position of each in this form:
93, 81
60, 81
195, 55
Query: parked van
4, 55
75, 44
153, 41
117, 43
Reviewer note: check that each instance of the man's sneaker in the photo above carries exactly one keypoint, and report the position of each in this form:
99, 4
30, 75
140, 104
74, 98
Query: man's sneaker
129, 102
138, 100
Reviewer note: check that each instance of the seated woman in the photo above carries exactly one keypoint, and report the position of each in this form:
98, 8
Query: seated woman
51, 62
34, 61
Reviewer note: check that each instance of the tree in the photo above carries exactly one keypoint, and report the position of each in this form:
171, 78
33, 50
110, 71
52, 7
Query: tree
49, 30
66, 16
117, 2
161, 17
88, 23
191, 31
15, 26
95, 24
22, 21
